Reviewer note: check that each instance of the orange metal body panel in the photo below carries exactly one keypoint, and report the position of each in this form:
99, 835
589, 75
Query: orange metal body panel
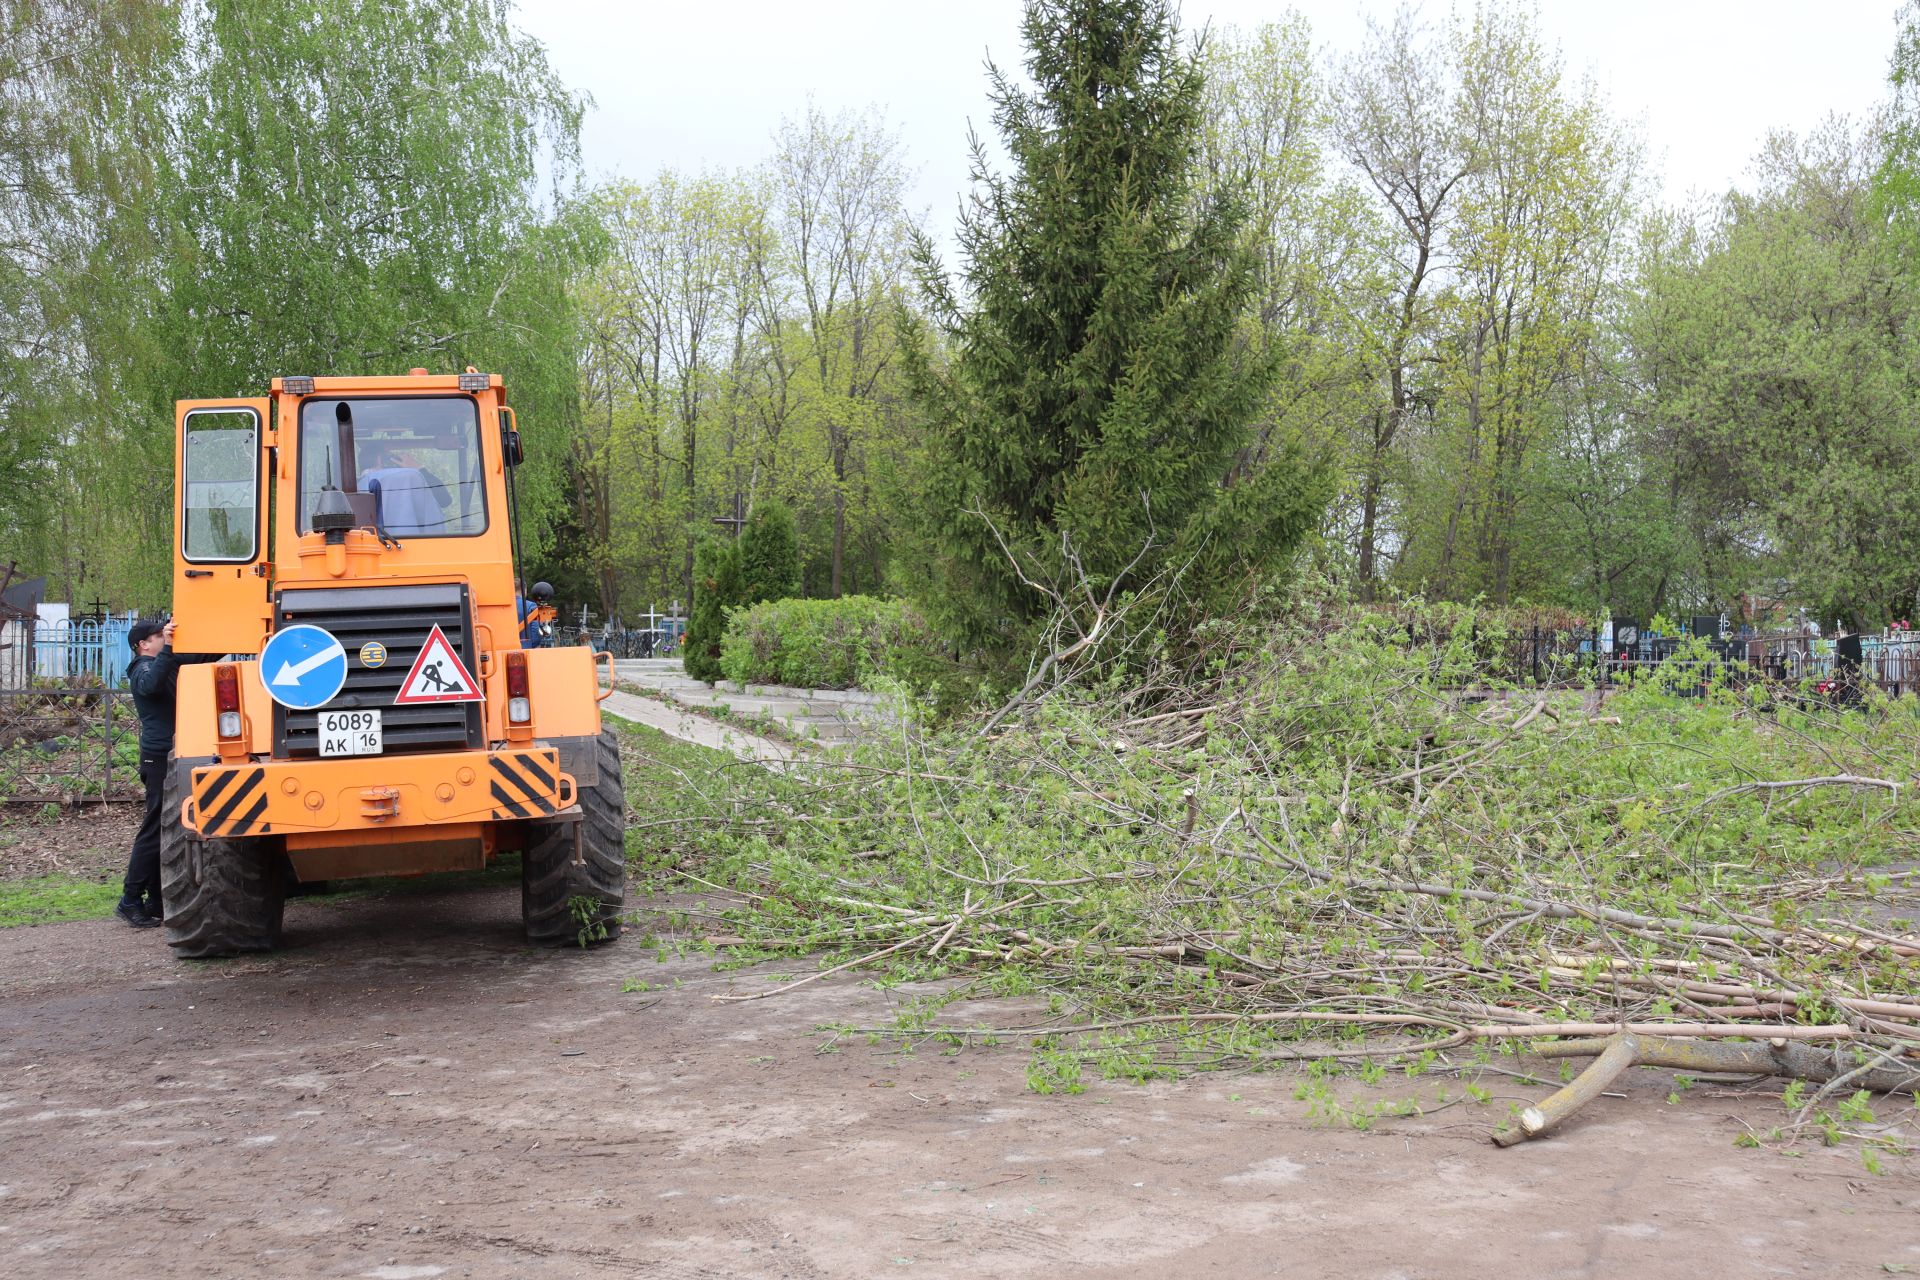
373, 795
221, 608
194, 720
399, 836
433, 852
400, 383
563, 684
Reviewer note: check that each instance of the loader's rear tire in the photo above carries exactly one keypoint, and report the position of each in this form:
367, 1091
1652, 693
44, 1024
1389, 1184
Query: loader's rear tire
552, 883
221, 897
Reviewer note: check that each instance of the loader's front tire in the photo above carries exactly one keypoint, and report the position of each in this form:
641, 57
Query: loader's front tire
569, 903
221, 897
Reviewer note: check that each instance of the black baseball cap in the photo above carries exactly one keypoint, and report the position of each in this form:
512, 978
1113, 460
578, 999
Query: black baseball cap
141, 630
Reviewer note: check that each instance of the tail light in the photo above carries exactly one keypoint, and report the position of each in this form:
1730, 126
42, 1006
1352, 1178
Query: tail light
519, 705
226, 698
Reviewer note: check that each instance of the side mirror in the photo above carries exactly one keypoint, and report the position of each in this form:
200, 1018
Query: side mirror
542, 592
510, 438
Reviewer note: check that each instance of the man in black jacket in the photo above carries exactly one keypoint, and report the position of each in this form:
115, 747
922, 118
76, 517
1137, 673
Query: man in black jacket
152, 675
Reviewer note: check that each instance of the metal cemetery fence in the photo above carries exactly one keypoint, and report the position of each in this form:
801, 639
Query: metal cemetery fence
1890, 660
650, 642
659, 637
77, 650
62, 745
68, 731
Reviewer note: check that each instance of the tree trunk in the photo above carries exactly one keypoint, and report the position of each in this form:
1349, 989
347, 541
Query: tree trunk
1370, 506
839, 539
609, 578
839, 511
686, 567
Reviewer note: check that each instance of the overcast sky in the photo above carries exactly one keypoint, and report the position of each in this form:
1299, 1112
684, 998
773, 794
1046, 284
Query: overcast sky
704, 85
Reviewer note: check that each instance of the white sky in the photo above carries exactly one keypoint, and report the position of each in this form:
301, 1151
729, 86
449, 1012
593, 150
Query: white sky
704, 85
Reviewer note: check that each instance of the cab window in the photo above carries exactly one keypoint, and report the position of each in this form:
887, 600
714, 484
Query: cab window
410, 467
220, 499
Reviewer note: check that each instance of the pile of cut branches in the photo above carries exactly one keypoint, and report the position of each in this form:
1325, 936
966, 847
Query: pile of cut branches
1342, 842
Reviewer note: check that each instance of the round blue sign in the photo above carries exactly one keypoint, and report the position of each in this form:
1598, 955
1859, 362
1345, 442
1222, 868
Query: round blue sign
303, 666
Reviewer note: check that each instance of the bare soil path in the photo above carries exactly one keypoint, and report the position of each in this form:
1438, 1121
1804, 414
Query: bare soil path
407, 1092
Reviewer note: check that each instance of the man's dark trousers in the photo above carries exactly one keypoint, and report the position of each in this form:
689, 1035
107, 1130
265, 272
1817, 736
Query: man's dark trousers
143, 868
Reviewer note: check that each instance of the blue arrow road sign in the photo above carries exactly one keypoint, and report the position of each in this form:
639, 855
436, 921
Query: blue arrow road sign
303, 667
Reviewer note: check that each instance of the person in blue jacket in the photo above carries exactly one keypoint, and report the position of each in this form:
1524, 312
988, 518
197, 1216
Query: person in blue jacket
152, 676
535, 632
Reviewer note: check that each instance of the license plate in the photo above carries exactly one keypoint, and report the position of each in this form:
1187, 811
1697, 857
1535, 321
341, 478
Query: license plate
349, 733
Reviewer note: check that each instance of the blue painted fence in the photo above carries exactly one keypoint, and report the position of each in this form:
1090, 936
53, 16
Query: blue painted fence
79, 651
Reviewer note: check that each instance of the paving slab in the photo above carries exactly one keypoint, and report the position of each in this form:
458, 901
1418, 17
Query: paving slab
826, 716
701, 730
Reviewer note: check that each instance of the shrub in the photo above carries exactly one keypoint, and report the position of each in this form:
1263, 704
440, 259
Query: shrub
769, 555
830, 644
716, 589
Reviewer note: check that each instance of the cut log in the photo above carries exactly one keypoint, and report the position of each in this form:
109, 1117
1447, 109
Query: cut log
1543, 1117
1778, 1056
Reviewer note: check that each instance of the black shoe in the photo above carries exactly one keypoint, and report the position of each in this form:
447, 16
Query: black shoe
135, 914
155, 912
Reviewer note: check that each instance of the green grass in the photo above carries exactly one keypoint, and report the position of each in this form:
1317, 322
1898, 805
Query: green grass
684, 801
53, 898
648, 755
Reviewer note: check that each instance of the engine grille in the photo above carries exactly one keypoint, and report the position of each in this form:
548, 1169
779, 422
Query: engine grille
401, 618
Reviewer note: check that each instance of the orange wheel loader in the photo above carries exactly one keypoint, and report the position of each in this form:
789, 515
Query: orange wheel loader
349, 544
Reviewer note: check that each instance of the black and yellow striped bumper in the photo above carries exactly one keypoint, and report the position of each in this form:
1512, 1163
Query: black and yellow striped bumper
526, 784
284, 797
231, 802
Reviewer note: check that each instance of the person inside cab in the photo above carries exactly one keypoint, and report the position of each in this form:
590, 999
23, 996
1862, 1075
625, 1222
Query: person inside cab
408, 499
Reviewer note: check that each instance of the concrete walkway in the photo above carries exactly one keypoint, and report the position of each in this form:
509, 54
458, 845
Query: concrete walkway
691, 727
823, 716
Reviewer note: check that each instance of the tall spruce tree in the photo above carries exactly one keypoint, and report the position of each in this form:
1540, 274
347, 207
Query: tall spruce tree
1101, 397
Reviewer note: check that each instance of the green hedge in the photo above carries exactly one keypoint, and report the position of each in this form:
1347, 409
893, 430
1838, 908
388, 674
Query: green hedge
830, 644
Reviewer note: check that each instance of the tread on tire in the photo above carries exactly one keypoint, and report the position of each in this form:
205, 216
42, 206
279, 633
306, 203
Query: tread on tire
551, 881
221, 897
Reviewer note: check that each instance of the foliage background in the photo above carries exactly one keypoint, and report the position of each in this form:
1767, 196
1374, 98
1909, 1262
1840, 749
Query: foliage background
1526, 378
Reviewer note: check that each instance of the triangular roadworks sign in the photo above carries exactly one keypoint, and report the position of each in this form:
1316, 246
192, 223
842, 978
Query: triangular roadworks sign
438, 675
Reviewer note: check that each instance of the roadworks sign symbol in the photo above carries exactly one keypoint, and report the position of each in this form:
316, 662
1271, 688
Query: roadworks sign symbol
438, 675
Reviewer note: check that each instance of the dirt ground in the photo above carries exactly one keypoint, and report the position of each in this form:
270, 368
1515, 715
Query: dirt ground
407, 1092
89, 841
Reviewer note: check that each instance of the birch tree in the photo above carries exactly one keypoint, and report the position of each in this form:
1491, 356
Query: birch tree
839, 188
